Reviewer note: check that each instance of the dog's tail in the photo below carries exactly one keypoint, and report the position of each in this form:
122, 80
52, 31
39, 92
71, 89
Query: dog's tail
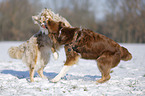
17, 52
125, 54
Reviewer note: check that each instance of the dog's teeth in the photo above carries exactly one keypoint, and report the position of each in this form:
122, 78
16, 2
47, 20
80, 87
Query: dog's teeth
55, 55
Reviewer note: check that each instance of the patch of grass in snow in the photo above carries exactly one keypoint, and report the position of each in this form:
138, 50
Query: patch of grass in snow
121, 67
47, 89
111, 71
133, 84
144, 75
10, 61
1, 87
130, 85
74, 87
39, 89
85, 89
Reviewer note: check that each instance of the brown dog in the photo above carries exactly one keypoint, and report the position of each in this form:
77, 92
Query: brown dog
86, 44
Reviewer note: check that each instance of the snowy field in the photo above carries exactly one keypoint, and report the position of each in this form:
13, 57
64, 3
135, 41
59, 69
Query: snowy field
127, 79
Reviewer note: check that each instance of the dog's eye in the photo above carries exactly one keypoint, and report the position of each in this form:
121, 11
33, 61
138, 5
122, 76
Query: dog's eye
49, 22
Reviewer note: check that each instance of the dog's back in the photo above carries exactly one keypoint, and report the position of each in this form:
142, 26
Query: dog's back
35, 50
93, 45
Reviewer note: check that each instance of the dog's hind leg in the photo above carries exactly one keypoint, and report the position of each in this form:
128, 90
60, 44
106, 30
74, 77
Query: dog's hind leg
69, 62
31, 73
105, 72
40, 72
105, 63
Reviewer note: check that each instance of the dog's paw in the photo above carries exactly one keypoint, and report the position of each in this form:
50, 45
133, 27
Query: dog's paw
55, 55
31, 80
55, 80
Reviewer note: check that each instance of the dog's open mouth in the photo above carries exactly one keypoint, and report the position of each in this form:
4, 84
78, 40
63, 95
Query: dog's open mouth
44, 26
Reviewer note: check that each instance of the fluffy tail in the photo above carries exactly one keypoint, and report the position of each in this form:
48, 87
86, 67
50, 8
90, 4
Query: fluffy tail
17, 52
125, 55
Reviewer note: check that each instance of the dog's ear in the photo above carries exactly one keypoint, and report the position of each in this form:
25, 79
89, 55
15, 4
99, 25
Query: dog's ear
61, 24
35, 19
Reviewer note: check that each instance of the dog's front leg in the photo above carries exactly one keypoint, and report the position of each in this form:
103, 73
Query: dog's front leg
61, 74
69, 62
55, 54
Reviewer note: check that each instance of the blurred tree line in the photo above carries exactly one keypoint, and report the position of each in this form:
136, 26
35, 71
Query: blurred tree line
124, 20
15, 19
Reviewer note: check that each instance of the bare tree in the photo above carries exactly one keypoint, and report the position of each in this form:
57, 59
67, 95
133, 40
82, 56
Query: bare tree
125, 21
15, 19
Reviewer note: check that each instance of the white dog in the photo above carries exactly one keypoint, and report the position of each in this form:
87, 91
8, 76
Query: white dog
35, 53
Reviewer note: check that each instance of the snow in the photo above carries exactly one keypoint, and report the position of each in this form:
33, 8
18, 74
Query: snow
127, 79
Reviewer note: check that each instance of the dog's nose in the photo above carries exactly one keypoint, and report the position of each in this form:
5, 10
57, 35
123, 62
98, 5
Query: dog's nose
45, 25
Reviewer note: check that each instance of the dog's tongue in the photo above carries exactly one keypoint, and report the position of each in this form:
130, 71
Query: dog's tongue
43, 26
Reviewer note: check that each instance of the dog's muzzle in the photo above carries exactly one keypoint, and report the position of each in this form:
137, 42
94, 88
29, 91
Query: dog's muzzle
44, 25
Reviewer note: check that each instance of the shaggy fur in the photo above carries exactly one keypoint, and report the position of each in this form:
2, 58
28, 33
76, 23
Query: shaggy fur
43, 16
34, 53
46, 14
87, 44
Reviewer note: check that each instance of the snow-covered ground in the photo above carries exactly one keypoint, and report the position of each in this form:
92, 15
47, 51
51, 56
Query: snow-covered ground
128, 78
